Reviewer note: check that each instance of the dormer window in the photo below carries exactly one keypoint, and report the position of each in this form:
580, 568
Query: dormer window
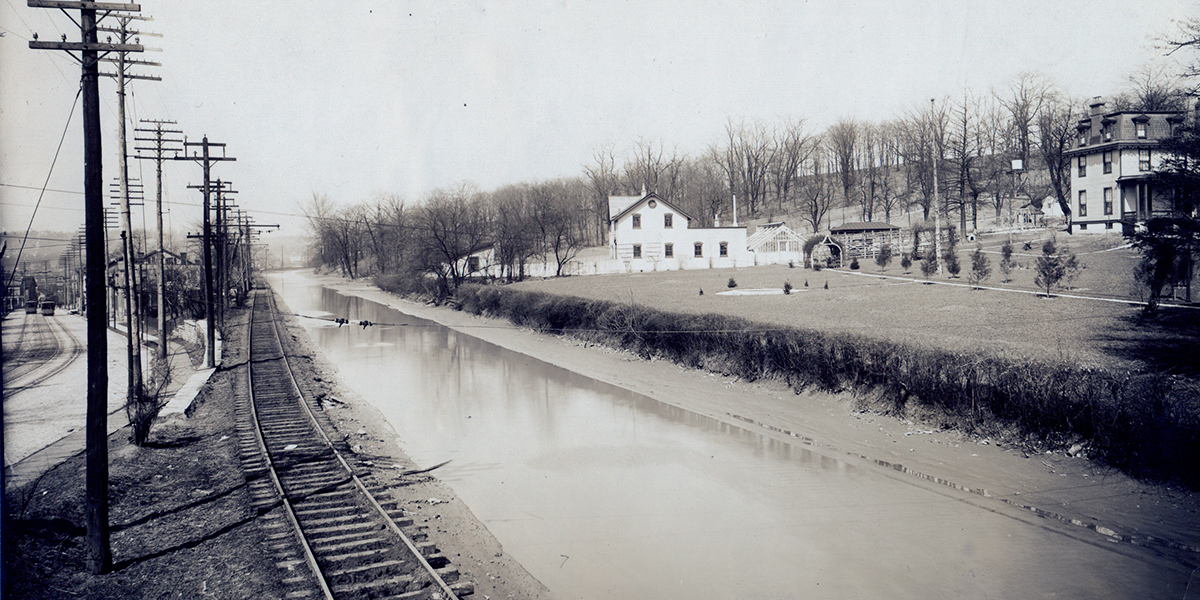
1106, 128
1139, 126
637, 221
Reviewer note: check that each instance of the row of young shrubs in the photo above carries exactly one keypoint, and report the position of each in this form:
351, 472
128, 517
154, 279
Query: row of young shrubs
1145, 423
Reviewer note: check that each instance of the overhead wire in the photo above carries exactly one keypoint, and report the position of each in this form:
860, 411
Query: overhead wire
17, 262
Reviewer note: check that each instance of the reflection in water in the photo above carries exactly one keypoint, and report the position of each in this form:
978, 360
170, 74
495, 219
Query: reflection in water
652, 501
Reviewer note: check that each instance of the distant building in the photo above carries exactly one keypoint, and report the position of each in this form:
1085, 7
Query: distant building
865, 240
648, 233
1112, 168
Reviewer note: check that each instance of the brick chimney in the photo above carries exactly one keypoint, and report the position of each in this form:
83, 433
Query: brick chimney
1097, 106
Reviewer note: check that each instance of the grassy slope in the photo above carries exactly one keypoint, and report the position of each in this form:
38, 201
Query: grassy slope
901, 308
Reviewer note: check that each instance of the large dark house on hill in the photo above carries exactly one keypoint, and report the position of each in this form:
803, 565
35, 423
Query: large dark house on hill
1112, 168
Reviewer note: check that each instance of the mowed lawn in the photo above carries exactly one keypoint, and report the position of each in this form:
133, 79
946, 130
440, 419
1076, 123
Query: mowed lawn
1009, 320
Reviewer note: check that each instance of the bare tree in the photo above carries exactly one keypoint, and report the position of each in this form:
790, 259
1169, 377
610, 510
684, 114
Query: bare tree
816, 188
551, 205
1023, 100
923, 137
842, 142
453, 223
1187, 36
1056, 131
793, 145
705, 189
602, 174
891, 194
1151, 87
747, 161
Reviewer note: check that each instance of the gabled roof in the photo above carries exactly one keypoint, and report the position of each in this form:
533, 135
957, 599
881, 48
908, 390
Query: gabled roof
858, 227
615, 213
618, 204
772, 231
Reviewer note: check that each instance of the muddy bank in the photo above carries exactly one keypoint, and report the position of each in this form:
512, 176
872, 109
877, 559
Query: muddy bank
1094, 502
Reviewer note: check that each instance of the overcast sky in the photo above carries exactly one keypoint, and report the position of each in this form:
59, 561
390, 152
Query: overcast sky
352, 99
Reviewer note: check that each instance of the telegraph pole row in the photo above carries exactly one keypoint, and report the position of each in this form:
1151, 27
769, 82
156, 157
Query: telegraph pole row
135, 394
206, 160
161, 142
99, 556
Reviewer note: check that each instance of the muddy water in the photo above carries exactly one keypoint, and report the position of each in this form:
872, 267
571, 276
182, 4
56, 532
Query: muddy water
603, 493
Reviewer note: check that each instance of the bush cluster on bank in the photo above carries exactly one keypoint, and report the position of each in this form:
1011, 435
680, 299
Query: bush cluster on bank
1146, 423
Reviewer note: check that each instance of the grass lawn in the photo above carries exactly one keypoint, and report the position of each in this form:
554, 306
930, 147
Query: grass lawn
1007, 319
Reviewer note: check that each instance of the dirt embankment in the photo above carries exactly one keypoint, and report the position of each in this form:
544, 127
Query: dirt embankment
180, 514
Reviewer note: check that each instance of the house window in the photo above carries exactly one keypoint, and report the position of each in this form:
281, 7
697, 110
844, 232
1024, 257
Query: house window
1108, 201
724, 249
699, 250
1106, 133
1083, 203
667, 220
472, 264
1141, 130
1083, 135
1108, 225
1083, 166
668, 250
637, 250
1144, 159
1107, 163
637, 221
1082, 226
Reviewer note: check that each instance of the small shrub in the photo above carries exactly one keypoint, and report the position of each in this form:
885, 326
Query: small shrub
791, 264
854, 264
951, 261
905, 262
1055, 268
929, 265
981, 267
1006, 261
884, 257
787, 287
731, 284
817, 266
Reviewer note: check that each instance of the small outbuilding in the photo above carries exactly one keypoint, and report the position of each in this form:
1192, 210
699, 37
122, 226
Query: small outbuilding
775, 243
864, 240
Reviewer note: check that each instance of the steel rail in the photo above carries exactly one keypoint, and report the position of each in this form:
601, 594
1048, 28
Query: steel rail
412, 547
309, 558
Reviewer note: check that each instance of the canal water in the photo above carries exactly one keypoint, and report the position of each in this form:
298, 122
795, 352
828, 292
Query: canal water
603, 493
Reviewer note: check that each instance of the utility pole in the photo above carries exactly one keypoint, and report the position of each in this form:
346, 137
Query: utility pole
206, 160
99, 557
937, 208
160, 143
133, 308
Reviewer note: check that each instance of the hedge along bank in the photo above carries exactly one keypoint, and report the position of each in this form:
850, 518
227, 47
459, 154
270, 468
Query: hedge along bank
1147, 423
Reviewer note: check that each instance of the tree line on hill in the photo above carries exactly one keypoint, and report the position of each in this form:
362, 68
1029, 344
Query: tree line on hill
771, 171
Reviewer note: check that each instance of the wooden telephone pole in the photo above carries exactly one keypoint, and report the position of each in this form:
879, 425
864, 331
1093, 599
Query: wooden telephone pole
99, 559
206, 160
159, 144
133, 304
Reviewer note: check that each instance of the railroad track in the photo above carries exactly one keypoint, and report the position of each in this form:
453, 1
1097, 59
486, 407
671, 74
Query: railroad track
331, 526
42, 351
